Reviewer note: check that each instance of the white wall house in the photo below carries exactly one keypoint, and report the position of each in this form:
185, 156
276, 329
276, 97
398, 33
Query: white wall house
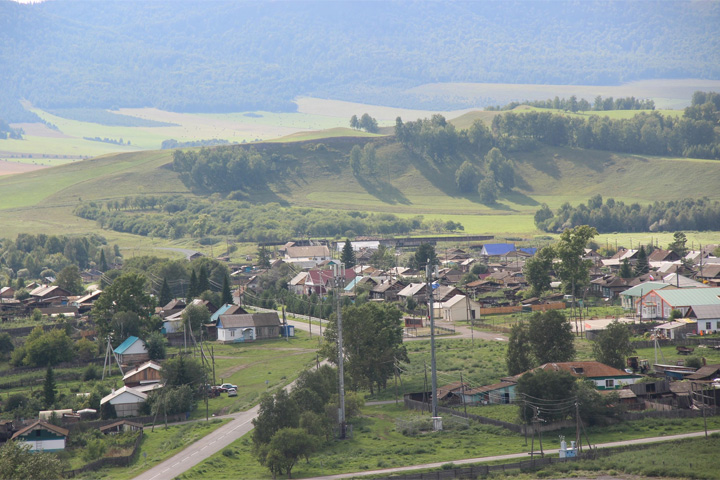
458, 308
126, 400
42, 436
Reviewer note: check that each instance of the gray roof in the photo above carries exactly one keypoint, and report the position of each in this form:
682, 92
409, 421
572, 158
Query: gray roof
705, 312
250, 320
643, 288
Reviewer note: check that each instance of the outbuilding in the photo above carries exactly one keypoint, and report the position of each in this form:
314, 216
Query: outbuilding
42, 436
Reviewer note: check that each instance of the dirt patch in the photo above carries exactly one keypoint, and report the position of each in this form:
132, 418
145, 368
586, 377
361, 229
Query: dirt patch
39, 130
11, 168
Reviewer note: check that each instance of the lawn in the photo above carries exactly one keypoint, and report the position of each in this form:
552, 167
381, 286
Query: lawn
159, 445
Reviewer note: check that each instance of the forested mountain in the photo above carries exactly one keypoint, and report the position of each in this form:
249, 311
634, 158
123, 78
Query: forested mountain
235, 56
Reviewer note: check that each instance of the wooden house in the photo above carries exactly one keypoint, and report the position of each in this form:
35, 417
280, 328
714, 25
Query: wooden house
126, 400
148, 372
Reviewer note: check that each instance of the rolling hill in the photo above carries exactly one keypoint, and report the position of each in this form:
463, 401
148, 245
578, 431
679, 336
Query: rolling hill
404, 184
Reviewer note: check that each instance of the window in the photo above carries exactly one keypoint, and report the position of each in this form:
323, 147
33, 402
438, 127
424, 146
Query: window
610, 383
708, 325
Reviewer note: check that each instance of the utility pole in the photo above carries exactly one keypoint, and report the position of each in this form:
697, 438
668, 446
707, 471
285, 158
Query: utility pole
339, 274
437, 420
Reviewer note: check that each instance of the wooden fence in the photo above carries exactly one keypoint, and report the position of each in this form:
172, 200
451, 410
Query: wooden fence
698, 340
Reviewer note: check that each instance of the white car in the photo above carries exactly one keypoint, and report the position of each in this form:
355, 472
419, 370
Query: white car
232, 392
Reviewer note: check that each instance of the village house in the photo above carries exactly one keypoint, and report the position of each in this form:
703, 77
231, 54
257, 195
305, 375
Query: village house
307, 257
126, 401
248, 327
416, 291
497, 393
132, 351
658, 304
42, 436
387, 290
147, 373
456, 309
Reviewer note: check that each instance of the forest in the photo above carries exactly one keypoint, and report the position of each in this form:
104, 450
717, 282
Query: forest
616, 216
211, 220
187, 57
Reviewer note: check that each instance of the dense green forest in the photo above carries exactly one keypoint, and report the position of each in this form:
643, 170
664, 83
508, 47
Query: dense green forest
237, 56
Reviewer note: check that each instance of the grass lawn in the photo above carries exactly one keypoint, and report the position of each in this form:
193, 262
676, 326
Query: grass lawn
389, 436
159, 445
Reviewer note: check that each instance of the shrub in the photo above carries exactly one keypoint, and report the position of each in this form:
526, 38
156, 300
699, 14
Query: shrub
90, 373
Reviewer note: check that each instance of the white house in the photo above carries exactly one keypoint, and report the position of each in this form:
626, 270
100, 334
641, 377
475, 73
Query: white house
307, 257
126, 400
458, 308
248, 327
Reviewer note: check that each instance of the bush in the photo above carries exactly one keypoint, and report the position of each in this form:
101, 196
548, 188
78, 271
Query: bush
90, 373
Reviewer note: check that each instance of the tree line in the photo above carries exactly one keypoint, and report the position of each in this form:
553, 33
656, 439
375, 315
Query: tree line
645, 133
616, 216
177, 216
572, 104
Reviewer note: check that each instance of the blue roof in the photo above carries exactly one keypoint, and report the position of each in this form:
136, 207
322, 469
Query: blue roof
220, 311
530, 250
352, 283
495, 249
126, 344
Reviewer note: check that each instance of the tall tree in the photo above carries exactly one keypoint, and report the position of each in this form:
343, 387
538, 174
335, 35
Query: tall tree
17, 461
642, 266
227, 298
193, 290
572, 269
165, 293
286, 447
519, 352
126, 294
263, 257
348, 254
373, 342
103, 266
194, 316
552, 338
49, 388
424, 255
69, 279
625, 269
679, 244
182, 370
203, 281
612, 346
354, 122
355, 159
538, 269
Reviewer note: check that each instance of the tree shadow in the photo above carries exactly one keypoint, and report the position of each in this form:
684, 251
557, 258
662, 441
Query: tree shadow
521, 199
383, 191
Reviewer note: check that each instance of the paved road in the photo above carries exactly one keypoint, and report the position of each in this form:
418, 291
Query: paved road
512, 456
203, 448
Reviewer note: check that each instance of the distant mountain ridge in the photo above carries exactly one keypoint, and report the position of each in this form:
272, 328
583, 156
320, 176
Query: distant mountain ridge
240, 56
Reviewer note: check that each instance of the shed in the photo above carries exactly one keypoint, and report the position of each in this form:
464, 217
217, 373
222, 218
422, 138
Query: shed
132, 351
120, 427
497, 393
458, 308
43, 436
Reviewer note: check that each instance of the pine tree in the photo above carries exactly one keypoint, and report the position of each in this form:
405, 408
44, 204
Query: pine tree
103, 262
193, 288
165, 293
226, 293
642, 266
203, 282
625, 270
348, 254
49, 389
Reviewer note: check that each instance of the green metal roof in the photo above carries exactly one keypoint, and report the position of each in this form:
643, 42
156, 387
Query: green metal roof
644, 288
691, 296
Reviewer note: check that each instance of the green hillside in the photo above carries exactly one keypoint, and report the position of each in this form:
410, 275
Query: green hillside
404, 183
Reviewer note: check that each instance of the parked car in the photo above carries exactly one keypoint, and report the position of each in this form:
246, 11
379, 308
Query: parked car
232, 392
227, 386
